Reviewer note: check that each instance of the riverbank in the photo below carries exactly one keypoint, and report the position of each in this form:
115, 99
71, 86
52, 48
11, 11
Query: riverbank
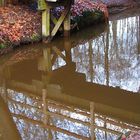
18, 24
116, 6
124, 3
21, 25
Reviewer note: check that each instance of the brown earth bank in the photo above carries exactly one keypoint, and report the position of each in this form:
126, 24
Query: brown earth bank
116, 6
125, 3
19, 24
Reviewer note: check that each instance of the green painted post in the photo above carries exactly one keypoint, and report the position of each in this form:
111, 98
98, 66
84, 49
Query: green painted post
42, 5
46, 23
1, 2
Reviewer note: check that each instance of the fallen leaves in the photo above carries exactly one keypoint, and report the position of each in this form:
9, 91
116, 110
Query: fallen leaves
81, 6
18, 23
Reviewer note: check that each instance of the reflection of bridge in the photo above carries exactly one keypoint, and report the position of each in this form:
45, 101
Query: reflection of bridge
60, 111
114, 102
71, 89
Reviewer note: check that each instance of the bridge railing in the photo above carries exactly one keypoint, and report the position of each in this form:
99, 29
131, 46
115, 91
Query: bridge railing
50, 109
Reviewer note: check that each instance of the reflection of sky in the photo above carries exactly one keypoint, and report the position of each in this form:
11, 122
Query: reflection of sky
59, 62
115, 57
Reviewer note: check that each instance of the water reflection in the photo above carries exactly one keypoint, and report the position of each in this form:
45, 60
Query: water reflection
113, 58
54, 120
67, 90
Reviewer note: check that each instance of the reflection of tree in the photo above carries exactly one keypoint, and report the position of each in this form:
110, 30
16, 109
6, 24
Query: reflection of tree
115, 55
91, 61
106, 48
138, 34
110, 59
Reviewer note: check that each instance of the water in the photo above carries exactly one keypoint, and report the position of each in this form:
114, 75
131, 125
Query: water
80, 87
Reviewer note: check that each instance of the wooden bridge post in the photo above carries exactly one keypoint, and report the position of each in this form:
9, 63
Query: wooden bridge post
68, 46
67, 25
47, 59
44, 63
46, 22
44, 97
45, 9
64, 19
92, 117
46, 119
2, 2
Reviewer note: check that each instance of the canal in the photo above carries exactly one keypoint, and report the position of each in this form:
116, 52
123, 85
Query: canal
83, 87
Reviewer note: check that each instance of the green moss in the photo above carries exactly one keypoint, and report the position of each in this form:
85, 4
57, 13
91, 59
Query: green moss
35, 37
88, 18
2, 46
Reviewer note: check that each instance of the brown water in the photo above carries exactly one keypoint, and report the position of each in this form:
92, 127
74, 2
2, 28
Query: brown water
81, 87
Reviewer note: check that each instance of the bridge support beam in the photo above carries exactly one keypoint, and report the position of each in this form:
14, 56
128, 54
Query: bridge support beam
46, 23
2, 2
67, 25
49, 29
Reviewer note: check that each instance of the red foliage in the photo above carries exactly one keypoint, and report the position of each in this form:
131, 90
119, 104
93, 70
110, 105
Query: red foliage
18, 23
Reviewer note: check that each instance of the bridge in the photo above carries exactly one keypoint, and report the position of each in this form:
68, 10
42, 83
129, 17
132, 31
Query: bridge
50, 23
53, 21
47, 17
45, 59
108, 100
60, 99
62, 90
